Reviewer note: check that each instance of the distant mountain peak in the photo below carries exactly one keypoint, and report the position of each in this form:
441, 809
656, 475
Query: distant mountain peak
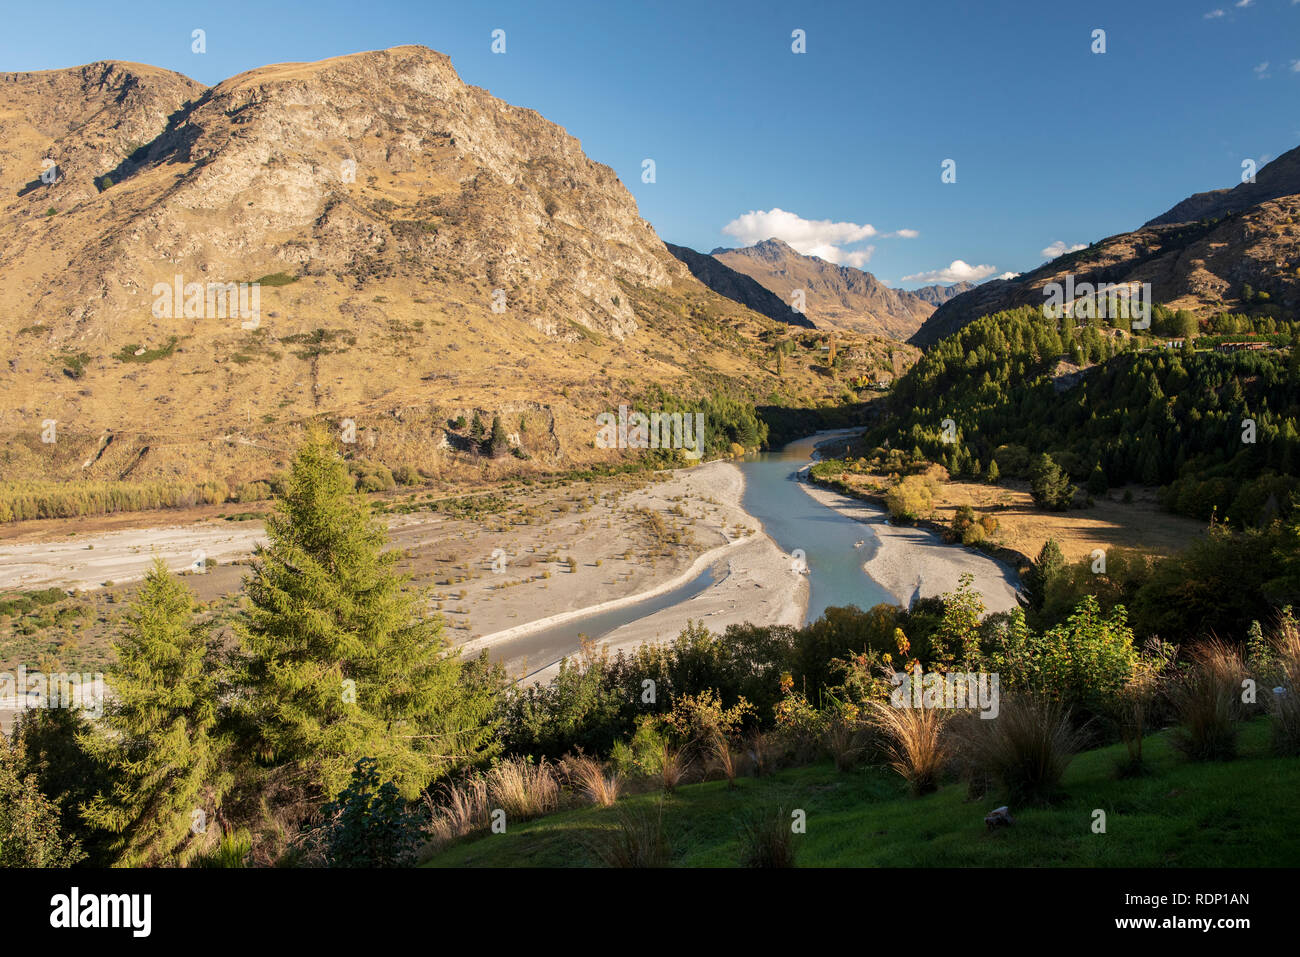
835, 296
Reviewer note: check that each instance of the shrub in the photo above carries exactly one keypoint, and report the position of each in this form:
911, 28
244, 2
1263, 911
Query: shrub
767, 838
523, 789
914, 742
1027, 747
591, 779
1081, 662
30, 834
637, 841
911, 498
1207, 700
369, 825
1284, 706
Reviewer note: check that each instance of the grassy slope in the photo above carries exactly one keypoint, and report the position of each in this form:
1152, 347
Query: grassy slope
1236, 814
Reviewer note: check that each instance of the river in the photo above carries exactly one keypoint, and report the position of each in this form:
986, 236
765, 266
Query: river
832, 546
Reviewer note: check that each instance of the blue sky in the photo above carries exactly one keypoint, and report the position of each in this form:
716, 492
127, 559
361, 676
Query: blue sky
1053, 143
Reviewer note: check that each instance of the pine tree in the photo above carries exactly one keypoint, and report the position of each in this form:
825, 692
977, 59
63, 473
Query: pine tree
160, 748
344, 660
1097, 483
1050, 485
497, 443
993, 473
1046, 569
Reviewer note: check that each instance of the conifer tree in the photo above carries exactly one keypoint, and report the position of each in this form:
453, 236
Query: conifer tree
344, 660
160, 749
497, 442
1046, 569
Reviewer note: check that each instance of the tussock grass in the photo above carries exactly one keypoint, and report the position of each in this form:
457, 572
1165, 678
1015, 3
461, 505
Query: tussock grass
1284, 707
1026, 748
845, 743
590, 778
913, 742
767, 838
1180, 814
1207, 699
673, 766
637, 840
523, 789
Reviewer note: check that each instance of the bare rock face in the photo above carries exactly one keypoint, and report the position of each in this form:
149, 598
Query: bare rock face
364, 166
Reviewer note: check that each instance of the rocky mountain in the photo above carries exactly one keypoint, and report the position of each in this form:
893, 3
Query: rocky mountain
937, 295
1246, 238
1279, 178
726, 281
835, 297
190, 273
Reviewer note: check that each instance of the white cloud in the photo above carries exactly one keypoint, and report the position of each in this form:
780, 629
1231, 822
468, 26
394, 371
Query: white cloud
1059, 248
1013, 275
812, 237
1214, 15
856, 258
1295, 66
1244, 3
957, 271
1261, 71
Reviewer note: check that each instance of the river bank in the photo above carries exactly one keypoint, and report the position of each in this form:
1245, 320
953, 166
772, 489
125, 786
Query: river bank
912, 562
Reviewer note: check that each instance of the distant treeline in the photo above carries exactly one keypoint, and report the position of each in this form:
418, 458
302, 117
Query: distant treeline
26, 500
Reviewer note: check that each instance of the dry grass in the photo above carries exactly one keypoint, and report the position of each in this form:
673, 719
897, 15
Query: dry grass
463, 811
846, 743
1133, 706
1027, 747
761, 750
913, 742
1284, 707
601, 787
523, 789
1207, 700
1141, 525
673, 766
718, 748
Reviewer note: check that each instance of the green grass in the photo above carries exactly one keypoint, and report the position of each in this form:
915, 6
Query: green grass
277, 279
1236, 814
127, 352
